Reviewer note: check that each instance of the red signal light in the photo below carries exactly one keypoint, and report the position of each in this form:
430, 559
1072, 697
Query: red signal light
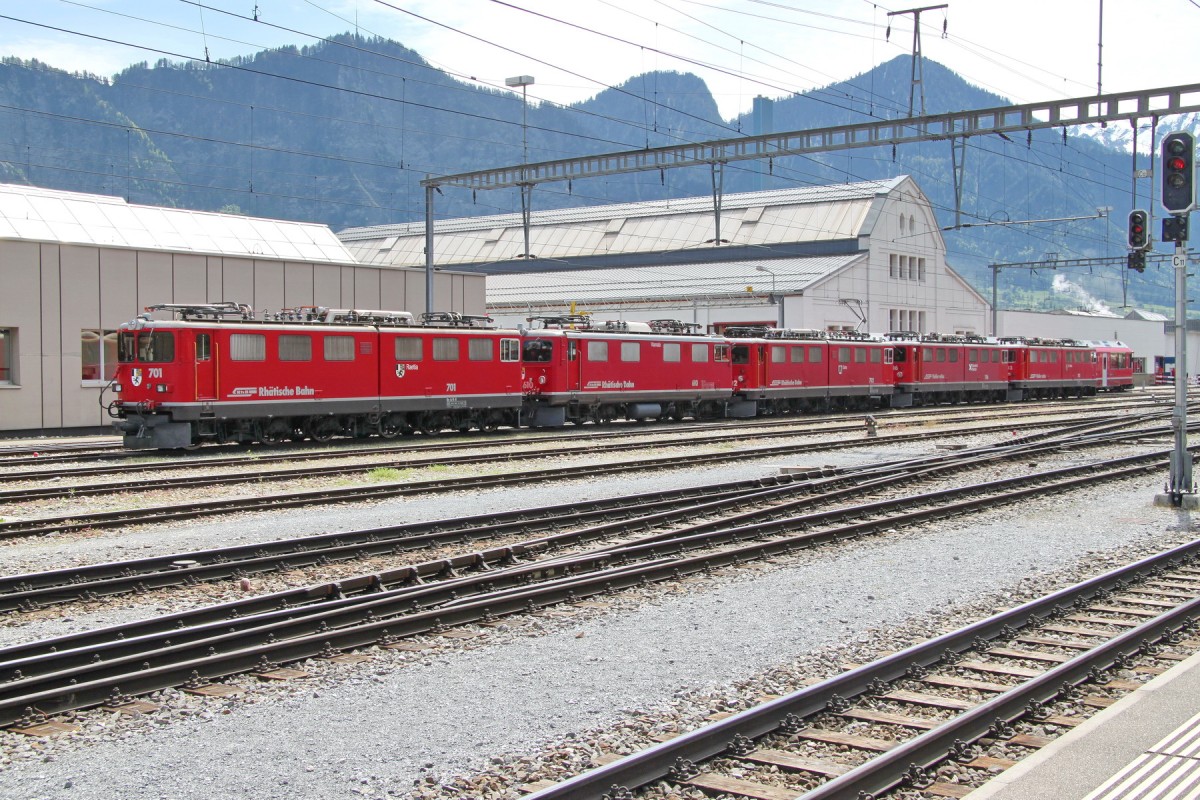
1175, 162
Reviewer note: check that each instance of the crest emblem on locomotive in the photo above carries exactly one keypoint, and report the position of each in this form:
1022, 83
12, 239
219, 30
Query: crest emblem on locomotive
399, 370
135, 376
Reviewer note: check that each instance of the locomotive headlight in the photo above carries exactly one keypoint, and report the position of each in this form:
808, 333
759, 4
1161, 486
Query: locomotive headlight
161, 388
118, 388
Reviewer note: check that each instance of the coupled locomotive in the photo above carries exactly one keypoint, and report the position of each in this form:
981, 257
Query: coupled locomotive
217, 373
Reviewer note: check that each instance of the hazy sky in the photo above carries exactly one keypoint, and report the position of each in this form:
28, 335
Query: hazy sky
1026, 50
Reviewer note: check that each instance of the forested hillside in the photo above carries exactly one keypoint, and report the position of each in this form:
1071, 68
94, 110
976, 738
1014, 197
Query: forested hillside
342, 132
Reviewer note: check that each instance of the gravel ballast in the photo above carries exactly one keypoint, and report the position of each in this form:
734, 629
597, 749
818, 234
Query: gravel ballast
405, 720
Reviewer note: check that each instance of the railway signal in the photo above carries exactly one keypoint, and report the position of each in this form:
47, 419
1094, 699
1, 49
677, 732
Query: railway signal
1139, 238
1178, 173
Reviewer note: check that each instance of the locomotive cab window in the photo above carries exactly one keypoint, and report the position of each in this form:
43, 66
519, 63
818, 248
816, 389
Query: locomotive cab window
721, 354
537, 351
741, 354
510, 349
899, 355
203, 346
147, 346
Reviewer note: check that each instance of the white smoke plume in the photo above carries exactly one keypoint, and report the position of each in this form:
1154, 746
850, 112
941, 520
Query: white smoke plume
1063, 285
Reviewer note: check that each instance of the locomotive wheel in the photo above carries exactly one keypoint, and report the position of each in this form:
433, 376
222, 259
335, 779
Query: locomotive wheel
277, 431
321, 429
391, 426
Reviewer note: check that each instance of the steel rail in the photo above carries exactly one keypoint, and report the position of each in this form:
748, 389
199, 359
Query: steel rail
354, 622
29, 591
292, 473
657, 762
106, 519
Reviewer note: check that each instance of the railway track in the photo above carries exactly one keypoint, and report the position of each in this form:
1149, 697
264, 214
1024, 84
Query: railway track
918, 721
180, 511
219, 455
257, 635
587, 521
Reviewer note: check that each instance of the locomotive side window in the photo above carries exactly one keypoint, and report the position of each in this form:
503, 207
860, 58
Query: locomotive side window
631, 351
814, 355
479, 349
778, 353
295, 347
972, 356
721, 354
843, 355
339, 348
797, 354
671, 351
203, 347
1053, 356
860, 355
510, 349
741, 354
247, 347
941, 355
445, 348
953, 356
876, 355
409, 348
927, 354
537, 351
597, 351
699, 354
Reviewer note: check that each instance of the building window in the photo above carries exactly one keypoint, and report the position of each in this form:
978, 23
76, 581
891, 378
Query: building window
445, 349
409, 348
295, 347
510, 349
8, 356
98, 354
893, 260
247, 347
597, 351
903, 268
339, 348
479, 349
921, 269
671, 351
631, 351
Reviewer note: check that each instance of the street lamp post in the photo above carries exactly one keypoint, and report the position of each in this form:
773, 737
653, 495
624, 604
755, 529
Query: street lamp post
524, 81
775, 299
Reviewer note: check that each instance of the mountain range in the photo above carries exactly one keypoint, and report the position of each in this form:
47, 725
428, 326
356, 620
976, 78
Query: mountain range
341, 132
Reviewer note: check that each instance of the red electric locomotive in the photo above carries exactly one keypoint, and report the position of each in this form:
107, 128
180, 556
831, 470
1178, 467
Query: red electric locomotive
936, 368
578, 371
217, 374
1049, 368
789, 370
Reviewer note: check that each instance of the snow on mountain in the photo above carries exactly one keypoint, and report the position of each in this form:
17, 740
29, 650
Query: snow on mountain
1119, 135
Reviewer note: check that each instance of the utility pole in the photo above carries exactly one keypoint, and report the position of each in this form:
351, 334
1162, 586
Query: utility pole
918, 73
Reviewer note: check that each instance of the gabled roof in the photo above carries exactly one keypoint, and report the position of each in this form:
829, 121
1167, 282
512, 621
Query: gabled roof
787, 275
818, 219
44, 215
